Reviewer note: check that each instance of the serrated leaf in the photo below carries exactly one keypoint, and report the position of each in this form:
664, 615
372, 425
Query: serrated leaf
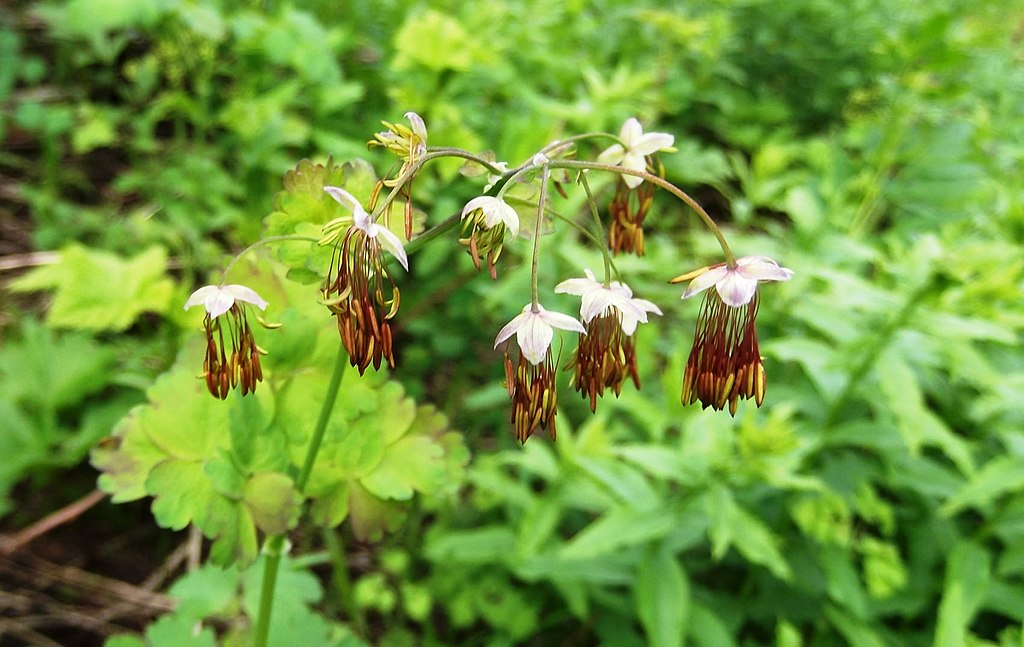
304, 200
413, 463
180, 490
97, 290
662, 598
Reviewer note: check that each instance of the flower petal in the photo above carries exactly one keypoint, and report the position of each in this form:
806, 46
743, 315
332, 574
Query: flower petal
579, 287
762, 268
513, 326
534, 337
735, 289
479, 202
390, 242
559, 320
633, 162
652, 143
418, 127
612, 155
647, 306
631, 132
346, 199
246, 295
200, 296
705, 280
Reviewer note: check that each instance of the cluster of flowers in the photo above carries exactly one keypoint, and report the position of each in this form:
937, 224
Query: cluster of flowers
724, 365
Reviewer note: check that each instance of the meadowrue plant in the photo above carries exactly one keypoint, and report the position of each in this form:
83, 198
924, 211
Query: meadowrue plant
359, 286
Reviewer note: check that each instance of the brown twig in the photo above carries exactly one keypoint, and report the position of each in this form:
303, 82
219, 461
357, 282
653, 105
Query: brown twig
12, 543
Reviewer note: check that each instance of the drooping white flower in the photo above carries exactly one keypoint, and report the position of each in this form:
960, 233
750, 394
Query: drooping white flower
535, 330
635, 146
596, 299
495, 211
361, 220
218, 299
736, 285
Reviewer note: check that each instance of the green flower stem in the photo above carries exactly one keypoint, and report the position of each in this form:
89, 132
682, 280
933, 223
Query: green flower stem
554, 148
730, 258
260, 243
534, 293
431, 154
600, 230
438, 230
274, 546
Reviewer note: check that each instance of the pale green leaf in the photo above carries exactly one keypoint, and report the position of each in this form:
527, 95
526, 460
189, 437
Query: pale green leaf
97, 290
272, 501
662, 598
620, 528
967, 580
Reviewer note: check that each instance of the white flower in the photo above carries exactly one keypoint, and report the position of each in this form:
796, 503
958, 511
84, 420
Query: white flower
635, 146
533, 331
361, 220
736, 285
419, 131
218, 299
596, 299
495, 211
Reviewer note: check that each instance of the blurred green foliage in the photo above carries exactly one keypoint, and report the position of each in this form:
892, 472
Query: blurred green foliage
874, 147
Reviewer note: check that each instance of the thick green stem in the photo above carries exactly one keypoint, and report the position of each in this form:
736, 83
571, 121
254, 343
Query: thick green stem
603, 237
730, 258
534, 293
274, 546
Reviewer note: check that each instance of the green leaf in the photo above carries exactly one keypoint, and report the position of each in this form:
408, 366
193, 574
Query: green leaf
707, 629
272, 501
731, 525
52, 370
884, 571
205, 592
967, 580
411, 463
662, 598
477, 546
304, 200
450, 48
620, 528
97, 290
174, 630
999, 476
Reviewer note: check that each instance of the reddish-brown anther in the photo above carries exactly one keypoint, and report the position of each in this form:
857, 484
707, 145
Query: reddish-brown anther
628, 209
362, 294
604, 358
534, 395
725, 363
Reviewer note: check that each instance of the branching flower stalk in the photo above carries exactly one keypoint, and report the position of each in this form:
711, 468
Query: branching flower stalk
724, 365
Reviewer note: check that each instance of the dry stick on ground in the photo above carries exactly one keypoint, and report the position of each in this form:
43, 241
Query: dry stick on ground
69, 512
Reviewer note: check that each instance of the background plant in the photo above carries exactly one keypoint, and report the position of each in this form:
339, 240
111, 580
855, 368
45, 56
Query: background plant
873, 500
